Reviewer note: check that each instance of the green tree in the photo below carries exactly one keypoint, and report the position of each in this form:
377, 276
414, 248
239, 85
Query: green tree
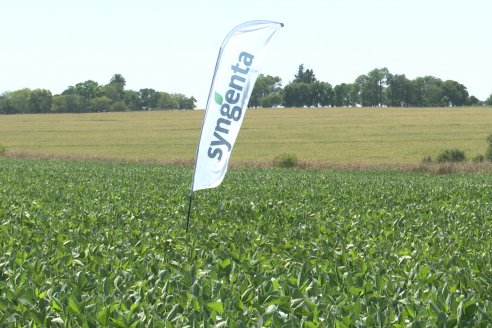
354, 93
428, 92
265, 86
297, 94
6, 106
88, 89
360, 93
132, 99
370, 90
271, 100
472, 101
304, 76
321, 94
119, 80
342, 95
101, 104
148, 98
19, 100
489, 100
119, 106
39, 101
114, 90
304, 91
377, 83
185, 102
167, 101
68, 103
70, 90
398, 91
455, 92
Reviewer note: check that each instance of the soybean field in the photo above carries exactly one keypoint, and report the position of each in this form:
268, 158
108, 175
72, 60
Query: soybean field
102, 244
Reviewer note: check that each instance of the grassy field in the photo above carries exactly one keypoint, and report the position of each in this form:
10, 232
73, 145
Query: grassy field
347, 135
102, 244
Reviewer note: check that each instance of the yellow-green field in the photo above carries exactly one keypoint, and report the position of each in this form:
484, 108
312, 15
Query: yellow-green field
339, 136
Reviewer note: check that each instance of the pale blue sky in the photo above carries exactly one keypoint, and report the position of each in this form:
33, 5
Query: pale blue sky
171, 45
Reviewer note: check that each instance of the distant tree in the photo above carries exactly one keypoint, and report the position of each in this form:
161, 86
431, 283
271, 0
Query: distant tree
132, 99
148, 98
369, 90
428, 92
360, 93
39, 101
68, 103
265, 86
119, 80
473, 101
271, 100
185, 102
101, 104
57, 103
119, 106
488, 101
321, 94
304, 76
342, 95
114, 90
398, 91
70, 90
379, 77
167, 101
88, 89
455, 93
6, 106
355, 92
19, 100
304, 91
297, 94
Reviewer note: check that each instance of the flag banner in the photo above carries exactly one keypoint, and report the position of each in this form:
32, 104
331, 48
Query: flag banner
240, 57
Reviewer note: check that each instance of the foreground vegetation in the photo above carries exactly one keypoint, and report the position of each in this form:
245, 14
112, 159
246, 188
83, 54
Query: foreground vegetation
88, 243
336, 136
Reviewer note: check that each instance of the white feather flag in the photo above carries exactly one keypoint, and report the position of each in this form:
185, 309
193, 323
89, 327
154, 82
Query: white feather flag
237, 68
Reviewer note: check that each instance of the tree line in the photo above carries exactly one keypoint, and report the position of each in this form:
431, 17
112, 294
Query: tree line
377, 88
89, 96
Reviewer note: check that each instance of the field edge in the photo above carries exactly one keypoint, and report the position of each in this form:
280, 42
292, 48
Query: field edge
431, 168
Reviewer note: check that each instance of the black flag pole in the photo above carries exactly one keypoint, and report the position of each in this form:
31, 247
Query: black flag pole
189, 211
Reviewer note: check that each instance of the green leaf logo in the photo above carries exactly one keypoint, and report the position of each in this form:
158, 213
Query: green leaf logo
218, 98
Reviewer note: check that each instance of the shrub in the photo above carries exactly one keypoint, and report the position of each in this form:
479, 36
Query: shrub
285, 160
3, 149
478, 159
451, 155
427, 160
488, 154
